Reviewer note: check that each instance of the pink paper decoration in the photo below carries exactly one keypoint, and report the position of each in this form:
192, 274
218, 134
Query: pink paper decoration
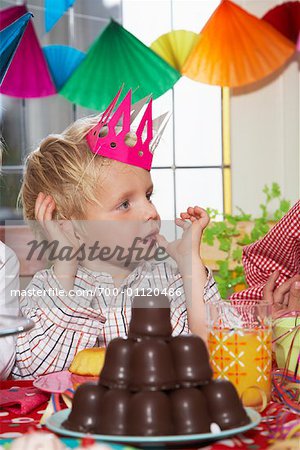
28, 75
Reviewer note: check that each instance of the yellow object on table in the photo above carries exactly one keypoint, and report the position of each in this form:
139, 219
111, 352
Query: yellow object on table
88, 362
286, 334
243, 357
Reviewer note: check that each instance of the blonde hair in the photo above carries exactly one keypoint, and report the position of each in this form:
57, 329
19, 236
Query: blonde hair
64, 167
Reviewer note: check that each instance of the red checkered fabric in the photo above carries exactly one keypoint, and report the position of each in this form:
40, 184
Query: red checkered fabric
278, 250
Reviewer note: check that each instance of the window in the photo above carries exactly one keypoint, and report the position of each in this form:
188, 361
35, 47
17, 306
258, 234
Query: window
187, 167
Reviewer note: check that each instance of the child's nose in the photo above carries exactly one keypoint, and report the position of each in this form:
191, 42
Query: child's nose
149, 212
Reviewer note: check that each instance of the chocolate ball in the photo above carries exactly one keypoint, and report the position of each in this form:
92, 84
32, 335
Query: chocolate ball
87, 404
150, 317
224, 406
150, 414
190, 412
114, 414
115, 372
151, 366
191, 360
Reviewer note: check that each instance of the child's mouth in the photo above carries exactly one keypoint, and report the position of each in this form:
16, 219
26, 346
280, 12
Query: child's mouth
151, 238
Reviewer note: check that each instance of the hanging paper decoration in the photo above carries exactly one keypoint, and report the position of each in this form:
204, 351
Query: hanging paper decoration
174, 47
54, 10
62, 62
28, 75
118, 58
236, 48
9, 40
286, 19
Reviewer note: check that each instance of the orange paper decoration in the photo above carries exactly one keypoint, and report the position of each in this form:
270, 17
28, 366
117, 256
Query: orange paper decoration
236, 48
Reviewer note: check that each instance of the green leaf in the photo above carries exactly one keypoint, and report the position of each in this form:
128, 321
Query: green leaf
264, 210
223, 267
238, 280
213, 213
285, 205
275, 190
237, 254
260, 229
239, 270
225, 244
246, 240
243, 217
266, 191
209, 236
232, 220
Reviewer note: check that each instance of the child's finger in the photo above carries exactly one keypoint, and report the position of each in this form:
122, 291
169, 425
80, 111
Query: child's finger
42, 209
190, 210
270, 286
185, 216
286, 299
283, 289
200, 212
294, 297
49, 210
182, 224
38, 202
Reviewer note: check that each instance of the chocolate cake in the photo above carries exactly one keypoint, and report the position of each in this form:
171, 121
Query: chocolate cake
85, 415
150, 317
191, 360
224, 405
115, 372
190, 412
151, 366
153, 384
150, 414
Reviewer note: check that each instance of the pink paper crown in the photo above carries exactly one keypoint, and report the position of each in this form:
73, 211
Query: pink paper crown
110, 142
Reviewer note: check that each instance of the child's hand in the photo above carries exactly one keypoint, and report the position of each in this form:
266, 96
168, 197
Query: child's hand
286, 297
193, 222
59, 230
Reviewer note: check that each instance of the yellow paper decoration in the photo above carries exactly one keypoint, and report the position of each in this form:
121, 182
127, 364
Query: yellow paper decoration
175, 46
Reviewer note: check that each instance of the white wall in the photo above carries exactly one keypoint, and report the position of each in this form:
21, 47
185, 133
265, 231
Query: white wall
265, 122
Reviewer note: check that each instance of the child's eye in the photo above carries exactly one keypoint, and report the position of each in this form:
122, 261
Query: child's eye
125, 205
149, 195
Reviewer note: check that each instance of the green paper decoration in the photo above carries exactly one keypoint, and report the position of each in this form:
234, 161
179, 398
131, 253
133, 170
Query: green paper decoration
114, 59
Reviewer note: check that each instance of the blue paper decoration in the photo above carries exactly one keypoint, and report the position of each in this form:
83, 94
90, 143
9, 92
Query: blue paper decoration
62, 61
54, 10
10, 38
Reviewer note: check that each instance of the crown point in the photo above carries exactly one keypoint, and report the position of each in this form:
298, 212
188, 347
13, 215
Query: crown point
113, 131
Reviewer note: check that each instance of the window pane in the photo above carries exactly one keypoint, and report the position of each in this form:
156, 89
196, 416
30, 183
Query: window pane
163, 155
163, 197
198, 139
12, 129
202, 187
99, 9
87, 30
45, 116
147, 19
10, 185
192, 15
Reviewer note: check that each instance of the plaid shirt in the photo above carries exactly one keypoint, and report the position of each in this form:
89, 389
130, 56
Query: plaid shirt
66, 324
278, 250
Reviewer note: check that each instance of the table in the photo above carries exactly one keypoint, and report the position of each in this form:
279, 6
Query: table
12, 425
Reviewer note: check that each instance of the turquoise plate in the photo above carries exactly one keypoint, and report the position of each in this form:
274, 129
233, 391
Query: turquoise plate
54, 423
70, 443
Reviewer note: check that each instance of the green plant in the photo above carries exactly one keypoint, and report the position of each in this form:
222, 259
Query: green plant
227, 233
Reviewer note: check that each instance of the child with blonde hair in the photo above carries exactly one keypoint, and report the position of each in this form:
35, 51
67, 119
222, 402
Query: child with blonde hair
89, 190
